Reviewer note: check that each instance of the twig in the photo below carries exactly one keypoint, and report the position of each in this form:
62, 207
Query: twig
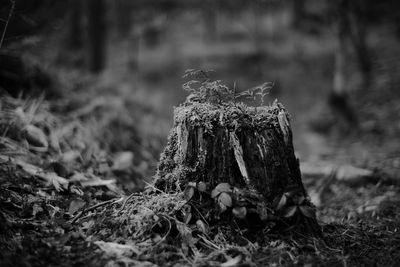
126, 201
201, 215
111, 201
166, 217
169, 229
8, 19
153, 187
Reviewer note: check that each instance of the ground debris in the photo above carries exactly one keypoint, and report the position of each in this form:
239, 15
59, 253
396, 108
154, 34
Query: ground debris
76, 213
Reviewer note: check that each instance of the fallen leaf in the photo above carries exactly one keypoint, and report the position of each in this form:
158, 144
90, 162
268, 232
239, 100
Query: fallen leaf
56, 181
293, 190
76, 190
201, 226
35, 137
103, 167
187, 217
59, 169
201, 186
59, 230
316, 169
232, 262
353, 175
223, 187
215, 193
75, 205
222, 207
239, 212
122, 161
125, 261
59, 183
262, 211
289, 211
315, 197
98, 182
307, 211
87, 225
298, 199
193, 184
156, 238
225, 199
70, 156
78, 177
189, 193
373, 204
117, 250
36, 208
281, 203
54, 141
345, 173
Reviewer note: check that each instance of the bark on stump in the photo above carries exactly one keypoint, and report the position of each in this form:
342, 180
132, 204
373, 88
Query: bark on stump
249, 148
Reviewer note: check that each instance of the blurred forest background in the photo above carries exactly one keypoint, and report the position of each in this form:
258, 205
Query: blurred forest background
334, 64
87, 93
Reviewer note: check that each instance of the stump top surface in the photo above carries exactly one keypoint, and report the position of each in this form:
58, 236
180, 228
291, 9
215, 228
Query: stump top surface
227, 115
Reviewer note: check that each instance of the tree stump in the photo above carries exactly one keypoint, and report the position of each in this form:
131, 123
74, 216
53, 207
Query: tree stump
245, 152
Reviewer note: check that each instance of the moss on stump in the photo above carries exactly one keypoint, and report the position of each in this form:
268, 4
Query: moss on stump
246, 151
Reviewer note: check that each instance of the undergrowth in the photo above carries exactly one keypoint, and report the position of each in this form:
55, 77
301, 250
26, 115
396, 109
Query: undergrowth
86, 223
148, 226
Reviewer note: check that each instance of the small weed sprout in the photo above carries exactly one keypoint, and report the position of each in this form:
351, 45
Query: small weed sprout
258, 92
203, 89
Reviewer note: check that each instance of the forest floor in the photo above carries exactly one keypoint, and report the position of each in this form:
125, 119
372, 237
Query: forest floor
79, 207
71, 168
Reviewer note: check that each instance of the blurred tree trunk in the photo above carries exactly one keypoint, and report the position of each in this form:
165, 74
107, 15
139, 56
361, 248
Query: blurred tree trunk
338, 99
123, 17
256, 21
358, 35
351, 21
96, 34
75, 40
258, 56
340, 56
298, 7
210, 10
134, 63
22, 77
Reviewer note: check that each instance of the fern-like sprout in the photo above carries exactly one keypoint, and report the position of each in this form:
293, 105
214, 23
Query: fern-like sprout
203, 89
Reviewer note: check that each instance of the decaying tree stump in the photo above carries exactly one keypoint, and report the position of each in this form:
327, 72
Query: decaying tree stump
248, 149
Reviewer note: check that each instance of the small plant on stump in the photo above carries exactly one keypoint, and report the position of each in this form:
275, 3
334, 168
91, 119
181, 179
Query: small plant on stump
234, 163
